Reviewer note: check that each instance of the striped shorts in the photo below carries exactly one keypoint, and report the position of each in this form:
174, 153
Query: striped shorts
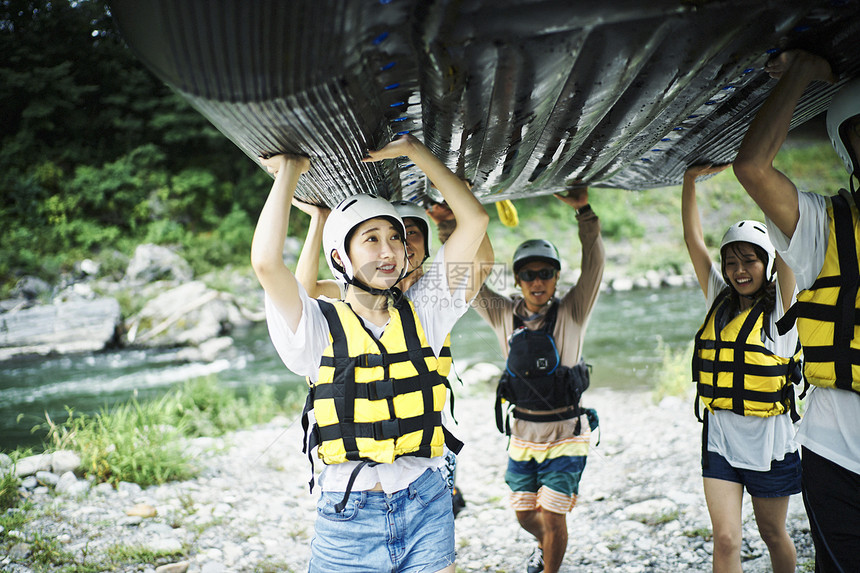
545, 464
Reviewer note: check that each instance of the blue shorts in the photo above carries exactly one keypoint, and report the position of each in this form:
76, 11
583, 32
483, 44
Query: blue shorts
411, 530
783, 478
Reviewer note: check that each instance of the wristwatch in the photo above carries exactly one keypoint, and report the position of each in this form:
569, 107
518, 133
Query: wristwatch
584, 209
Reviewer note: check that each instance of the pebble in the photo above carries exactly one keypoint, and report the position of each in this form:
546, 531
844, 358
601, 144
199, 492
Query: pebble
640, 506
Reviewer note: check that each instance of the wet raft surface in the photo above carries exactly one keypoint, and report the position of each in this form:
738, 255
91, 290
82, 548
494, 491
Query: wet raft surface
519, 97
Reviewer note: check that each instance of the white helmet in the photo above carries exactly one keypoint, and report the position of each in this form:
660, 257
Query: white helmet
350, 213
844, 106
412, 210
536, 249
750, 232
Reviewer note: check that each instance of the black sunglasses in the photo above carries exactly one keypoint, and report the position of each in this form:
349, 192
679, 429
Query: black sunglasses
529, 275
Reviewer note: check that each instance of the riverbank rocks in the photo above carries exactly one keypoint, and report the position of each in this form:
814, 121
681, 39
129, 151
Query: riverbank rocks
29, 465
176, 311
189, 314
640, 506
58, 462
152, 263
70, 486
61, 328
142, 510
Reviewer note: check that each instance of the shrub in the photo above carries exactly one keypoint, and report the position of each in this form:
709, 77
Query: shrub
673, 378
205, 408
143, 442
129, 442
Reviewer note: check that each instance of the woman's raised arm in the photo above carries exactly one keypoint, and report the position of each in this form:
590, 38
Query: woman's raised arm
463, 244
694, 237
267, 246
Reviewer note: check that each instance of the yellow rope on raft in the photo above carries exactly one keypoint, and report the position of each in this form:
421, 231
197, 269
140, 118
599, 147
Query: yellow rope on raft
507, 213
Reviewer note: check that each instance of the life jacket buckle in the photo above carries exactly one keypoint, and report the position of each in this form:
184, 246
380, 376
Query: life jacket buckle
381, 389
369, 360
386, 429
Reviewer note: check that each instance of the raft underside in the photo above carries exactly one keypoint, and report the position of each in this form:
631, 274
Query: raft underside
519, 97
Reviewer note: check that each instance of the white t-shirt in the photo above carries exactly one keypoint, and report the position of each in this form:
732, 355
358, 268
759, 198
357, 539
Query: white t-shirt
751, 442
437, 309
831, 423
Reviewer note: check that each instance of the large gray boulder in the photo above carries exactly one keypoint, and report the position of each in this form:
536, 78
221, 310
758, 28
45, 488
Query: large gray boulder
61, 328
189, 314
152, 263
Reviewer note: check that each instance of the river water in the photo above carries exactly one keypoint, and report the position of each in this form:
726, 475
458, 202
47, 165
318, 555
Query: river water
621, 344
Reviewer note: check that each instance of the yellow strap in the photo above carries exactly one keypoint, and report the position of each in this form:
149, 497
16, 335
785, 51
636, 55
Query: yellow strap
507, 213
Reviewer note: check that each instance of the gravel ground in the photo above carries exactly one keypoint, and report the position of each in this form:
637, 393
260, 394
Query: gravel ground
640, 508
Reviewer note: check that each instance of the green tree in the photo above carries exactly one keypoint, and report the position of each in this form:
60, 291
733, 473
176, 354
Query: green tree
98, 154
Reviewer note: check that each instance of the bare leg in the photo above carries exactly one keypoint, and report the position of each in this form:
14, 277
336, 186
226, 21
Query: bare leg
724, 505
554, 541
770, 513
550, 530
531, 521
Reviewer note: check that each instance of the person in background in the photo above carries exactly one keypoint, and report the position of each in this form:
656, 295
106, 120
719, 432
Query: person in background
550, 434
818, 238
383, 463
744, 372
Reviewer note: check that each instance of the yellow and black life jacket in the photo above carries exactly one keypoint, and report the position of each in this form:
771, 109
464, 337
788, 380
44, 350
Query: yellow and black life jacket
734, 371
828, 312
378, 399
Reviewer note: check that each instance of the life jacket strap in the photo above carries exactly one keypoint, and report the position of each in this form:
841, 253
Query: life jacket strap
384, 389
311, 436
574, 412
382, 430
556, 417
503, 422
342, 505
451, 441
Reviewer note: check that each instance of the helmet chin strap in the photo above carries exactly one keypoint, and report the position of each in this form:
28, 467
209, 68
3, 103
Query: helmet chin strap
392, 292
415, 268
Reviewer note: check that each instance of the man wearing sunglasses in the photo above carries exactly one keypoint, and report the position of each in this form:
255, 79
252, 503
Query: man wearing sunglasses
541, 338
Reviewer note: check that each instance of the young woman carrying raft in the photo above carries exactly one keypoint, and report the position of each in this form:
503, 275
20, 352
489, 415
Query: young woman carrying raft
372, 360
744, 370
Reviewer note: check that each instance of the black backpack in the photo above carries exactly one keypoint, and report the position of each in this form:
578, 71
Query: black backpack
534, 378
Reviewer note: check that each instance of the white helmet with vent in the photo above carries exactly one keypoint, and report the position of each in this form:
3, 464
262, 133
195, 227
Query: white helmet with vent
750, 232
844, 106
350, 213
414, 211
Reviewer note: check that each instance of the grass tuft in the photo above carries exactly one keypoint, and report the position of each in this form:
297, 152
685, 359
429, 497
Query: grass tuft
674, 375
9, 496
143, 442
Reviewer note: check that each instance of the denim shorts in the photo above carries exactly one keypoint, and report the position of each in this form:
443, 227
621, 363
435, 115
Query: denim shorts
411, 530
783, 478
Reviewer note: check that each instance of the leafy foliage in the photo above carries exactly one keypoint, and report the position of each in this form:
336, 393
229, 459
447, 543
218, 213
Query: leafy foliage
97, 155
